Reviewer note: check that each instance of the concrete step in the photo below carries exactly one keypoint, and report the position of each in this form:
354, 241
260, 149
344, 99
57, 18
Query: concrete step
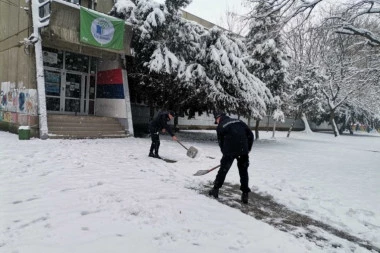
86, 127
92, 123
78, 119
79, 127
86, 136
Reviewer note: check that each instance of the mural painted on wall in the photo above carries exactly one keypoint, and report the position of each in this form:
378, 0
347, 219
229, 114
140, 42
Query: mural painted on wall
10, 117
14, 100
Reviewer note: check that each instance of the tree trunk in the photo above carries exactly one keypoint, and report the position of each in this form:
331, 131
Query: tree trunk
268, 123
333, 124
306, 123
350, 128
274, 129
292, 125
257, 129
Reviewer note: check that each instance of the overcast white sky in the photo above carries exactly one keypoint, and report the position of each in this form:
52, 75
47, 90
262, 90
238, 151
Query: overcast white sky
213, 10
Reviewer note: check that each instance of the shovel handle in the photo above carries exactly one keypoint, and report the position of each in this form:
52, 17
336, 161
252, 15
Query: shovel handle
214, 168
182, 145
204, 172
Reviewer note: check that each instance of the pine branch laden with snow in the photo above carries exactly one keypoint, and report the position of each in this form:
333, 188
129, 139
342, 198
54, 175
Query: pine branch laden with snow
228, 78
207, 67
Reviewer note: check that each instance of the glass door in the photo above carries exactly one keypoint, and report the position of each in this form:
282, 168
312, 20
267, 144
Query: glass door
70, 82
53, 90
73, 93
70, 93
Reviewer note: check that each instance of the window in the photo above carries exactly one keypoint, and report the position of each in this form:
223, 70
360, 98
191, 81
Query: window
73, 1
44, 8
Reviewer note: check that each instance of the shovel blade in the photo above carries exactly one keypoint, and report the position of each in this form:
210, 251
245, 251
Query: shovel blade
192, 152
201, 172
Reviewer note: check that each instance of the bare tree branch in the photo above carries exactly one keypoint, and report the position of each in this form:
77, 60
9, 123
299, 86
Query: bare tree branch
287, 10
351, 30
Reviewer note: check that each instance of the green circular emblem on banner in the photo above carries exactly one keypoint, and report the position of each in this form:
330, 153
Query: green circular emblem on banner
102, 30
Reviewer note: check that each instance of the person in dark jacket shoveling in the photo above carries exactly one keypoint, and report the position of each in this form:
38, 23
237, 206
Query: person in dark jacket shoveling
160, 123
235, 140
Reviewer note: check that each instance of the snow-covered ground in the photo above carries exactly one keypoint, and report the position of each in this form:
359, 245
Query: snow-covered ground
106, 195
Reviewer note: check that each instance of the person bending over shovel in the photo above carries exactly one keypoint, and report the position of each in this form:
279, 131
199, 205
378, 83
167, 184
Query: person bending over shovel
235, 141
160, 123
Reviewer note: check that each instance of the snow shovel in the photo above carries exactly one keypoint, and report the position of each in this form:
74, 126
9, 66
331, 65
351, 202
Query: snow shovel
191, 152
204, 172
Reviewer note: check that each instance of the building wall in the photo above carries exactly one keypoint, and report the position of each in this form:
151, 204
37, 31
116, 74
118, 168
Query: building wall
191, 17
140, 115
110, 97
205, 121
18, 101
14, 61
104, 6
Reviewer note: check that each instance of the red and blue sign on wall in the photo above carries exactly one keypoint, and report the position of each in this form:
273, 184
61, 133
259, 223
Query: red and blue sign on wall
110, 84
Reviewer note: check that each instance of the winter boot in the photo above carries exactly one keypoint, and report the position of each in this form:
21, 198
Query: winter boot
156, 148
214, 192
151, 149
244, 197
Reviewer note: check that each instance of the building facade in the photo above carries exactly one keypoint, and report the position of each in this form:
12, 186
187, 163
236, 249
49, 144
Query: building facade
47, 68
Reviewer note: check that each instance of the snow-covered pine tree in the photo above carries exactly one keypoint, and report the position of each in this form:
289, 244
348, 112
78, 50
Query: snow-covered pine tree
155, 65
192, 67
306, 97
268, 60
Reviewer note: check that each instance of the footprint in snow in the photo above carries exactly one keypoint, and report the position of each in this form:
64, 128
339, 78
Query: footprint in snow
360, 212
95, 185
83, 213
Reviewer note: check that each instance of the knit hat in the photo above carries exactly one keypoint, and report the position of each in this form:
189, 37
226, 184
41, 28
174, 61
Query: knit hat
218, 114
172, 113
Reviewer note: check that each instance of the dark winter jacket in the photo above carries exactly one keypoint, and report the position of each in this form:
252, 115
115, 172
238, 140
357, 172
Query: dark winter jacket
160, 122
234, 136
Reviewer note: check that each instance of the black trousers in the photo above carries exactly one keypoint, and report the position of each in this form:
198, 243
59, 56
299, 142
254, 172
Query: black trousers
155, 136
225, 165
